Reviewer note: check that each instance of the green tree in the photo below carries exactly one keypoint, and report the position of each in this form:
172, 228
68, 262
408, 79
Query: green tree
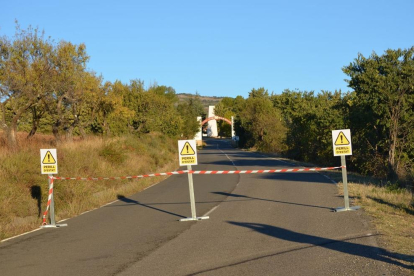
310, 120
86, 109
25, 72
225, 109
260, 123
115, 117
189, 111
69, 61
383, 109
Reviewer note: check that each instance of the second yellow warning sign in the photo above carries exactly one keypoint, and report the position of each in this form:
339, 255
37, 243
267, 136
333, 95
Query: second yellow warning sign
341, 140
187, 149
187, 152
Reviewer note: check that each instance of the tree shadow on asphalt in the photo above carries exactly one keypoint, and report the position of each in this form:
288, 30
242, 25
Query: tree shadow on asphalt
344, 246
235, 198
308, 177
253, 164
270, 200
131, 201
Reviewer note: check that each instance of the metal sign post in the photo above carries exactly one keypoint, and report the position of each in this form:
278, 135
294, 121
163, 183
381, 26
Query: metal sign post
48, 165
188, 156
191, 189
51, 206
52, 201
192, 198
342, 146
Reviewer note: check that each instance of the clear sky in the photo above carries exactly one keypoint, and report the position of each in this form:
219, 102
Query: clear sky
221, 48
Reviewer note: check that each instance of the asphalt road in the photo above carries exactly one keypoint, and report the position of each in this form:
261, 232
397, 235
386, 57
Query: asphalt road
260, 224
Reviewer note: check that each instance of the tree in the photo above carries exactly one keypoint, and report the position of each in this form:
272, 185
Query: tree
225, 109
310, 120
260, 123
69, 63
85, 110
114, 116
25, 72
384, 104
189, 111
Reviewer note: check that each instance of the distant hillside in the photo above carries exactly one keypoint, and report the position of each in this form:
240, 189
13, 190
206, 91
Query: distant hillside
205, 100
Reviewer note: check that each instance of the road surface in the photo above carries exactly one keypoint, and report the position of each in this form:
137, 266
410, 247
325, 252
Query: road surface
260, 224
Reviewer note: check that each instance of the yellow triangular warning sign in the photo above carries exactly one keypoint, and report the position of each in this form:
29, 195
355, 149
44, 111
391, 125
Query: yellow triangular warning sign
187, 149
48, 159
341, 140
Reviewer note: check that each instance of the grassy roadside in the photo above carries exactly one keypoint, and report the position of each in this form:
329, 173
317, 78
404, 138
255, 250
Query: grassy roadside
24, 191
389, 207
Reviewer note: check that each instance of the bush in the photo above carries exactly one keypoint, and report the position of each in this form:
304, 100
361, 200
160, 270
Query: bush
113, 153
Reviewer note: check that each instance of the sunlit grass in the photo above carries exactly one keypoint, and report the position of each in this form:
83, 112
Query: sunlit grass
24, 190
390, 208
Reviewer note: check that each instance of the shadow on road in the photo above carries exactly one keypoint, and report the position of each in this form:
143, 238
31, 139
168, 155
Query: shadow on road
131, 201
253, 163
233, 198
306, 177
271, 200
344, 246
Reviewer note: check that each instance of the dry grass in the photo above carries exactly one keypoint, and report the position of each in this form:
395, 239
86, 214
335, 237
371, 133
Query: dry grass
389, 207
23, 190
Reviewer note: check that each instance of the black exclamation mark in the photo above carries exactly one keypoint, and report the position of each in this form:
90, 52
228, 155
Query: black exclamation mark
187, 148
342, 139
48, 158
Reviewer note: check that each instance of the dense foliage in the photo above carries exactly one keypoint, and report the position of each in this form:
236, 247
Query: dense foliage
46, 86
382, 110
379, 112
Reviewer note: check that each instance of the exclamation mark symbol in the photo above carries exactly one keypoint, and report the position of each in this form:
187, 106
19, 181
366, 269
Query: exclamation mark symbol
342, 139
187, 148
48, 158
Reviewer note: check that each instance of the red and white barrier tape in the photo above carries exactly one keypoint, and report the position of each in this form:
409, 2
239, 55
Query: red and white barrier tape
265, 171
49, 200
194, 172
120, 177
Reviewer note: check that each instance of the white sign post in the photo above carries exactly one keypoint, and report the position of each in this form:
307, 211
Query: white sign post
187, 152
49, 166
342, 146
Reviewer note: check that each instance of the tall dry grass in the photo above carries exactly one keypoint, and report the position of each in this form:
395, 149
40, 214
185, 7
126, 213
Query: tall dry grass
390, 208
24, 190
392, 213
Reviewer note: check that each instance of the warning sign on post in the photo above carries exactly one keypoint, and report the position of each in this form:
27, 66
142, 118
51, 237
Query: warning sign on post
187, 152
342, 142
48, 161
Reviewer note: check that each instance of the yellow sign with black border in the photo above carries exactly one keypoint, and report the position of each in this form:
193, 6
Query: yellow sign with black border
341, 140
48, 161
187, 150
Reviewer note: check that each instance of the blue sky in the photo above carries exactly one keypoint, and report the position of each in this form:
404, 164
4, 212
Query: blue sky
221, 48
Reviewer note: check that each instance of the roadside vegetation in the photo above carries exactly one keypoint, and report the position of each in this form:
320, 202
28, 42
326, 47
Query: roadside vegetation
50, 99
390, 208
299, 124
24, 191
380, 113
